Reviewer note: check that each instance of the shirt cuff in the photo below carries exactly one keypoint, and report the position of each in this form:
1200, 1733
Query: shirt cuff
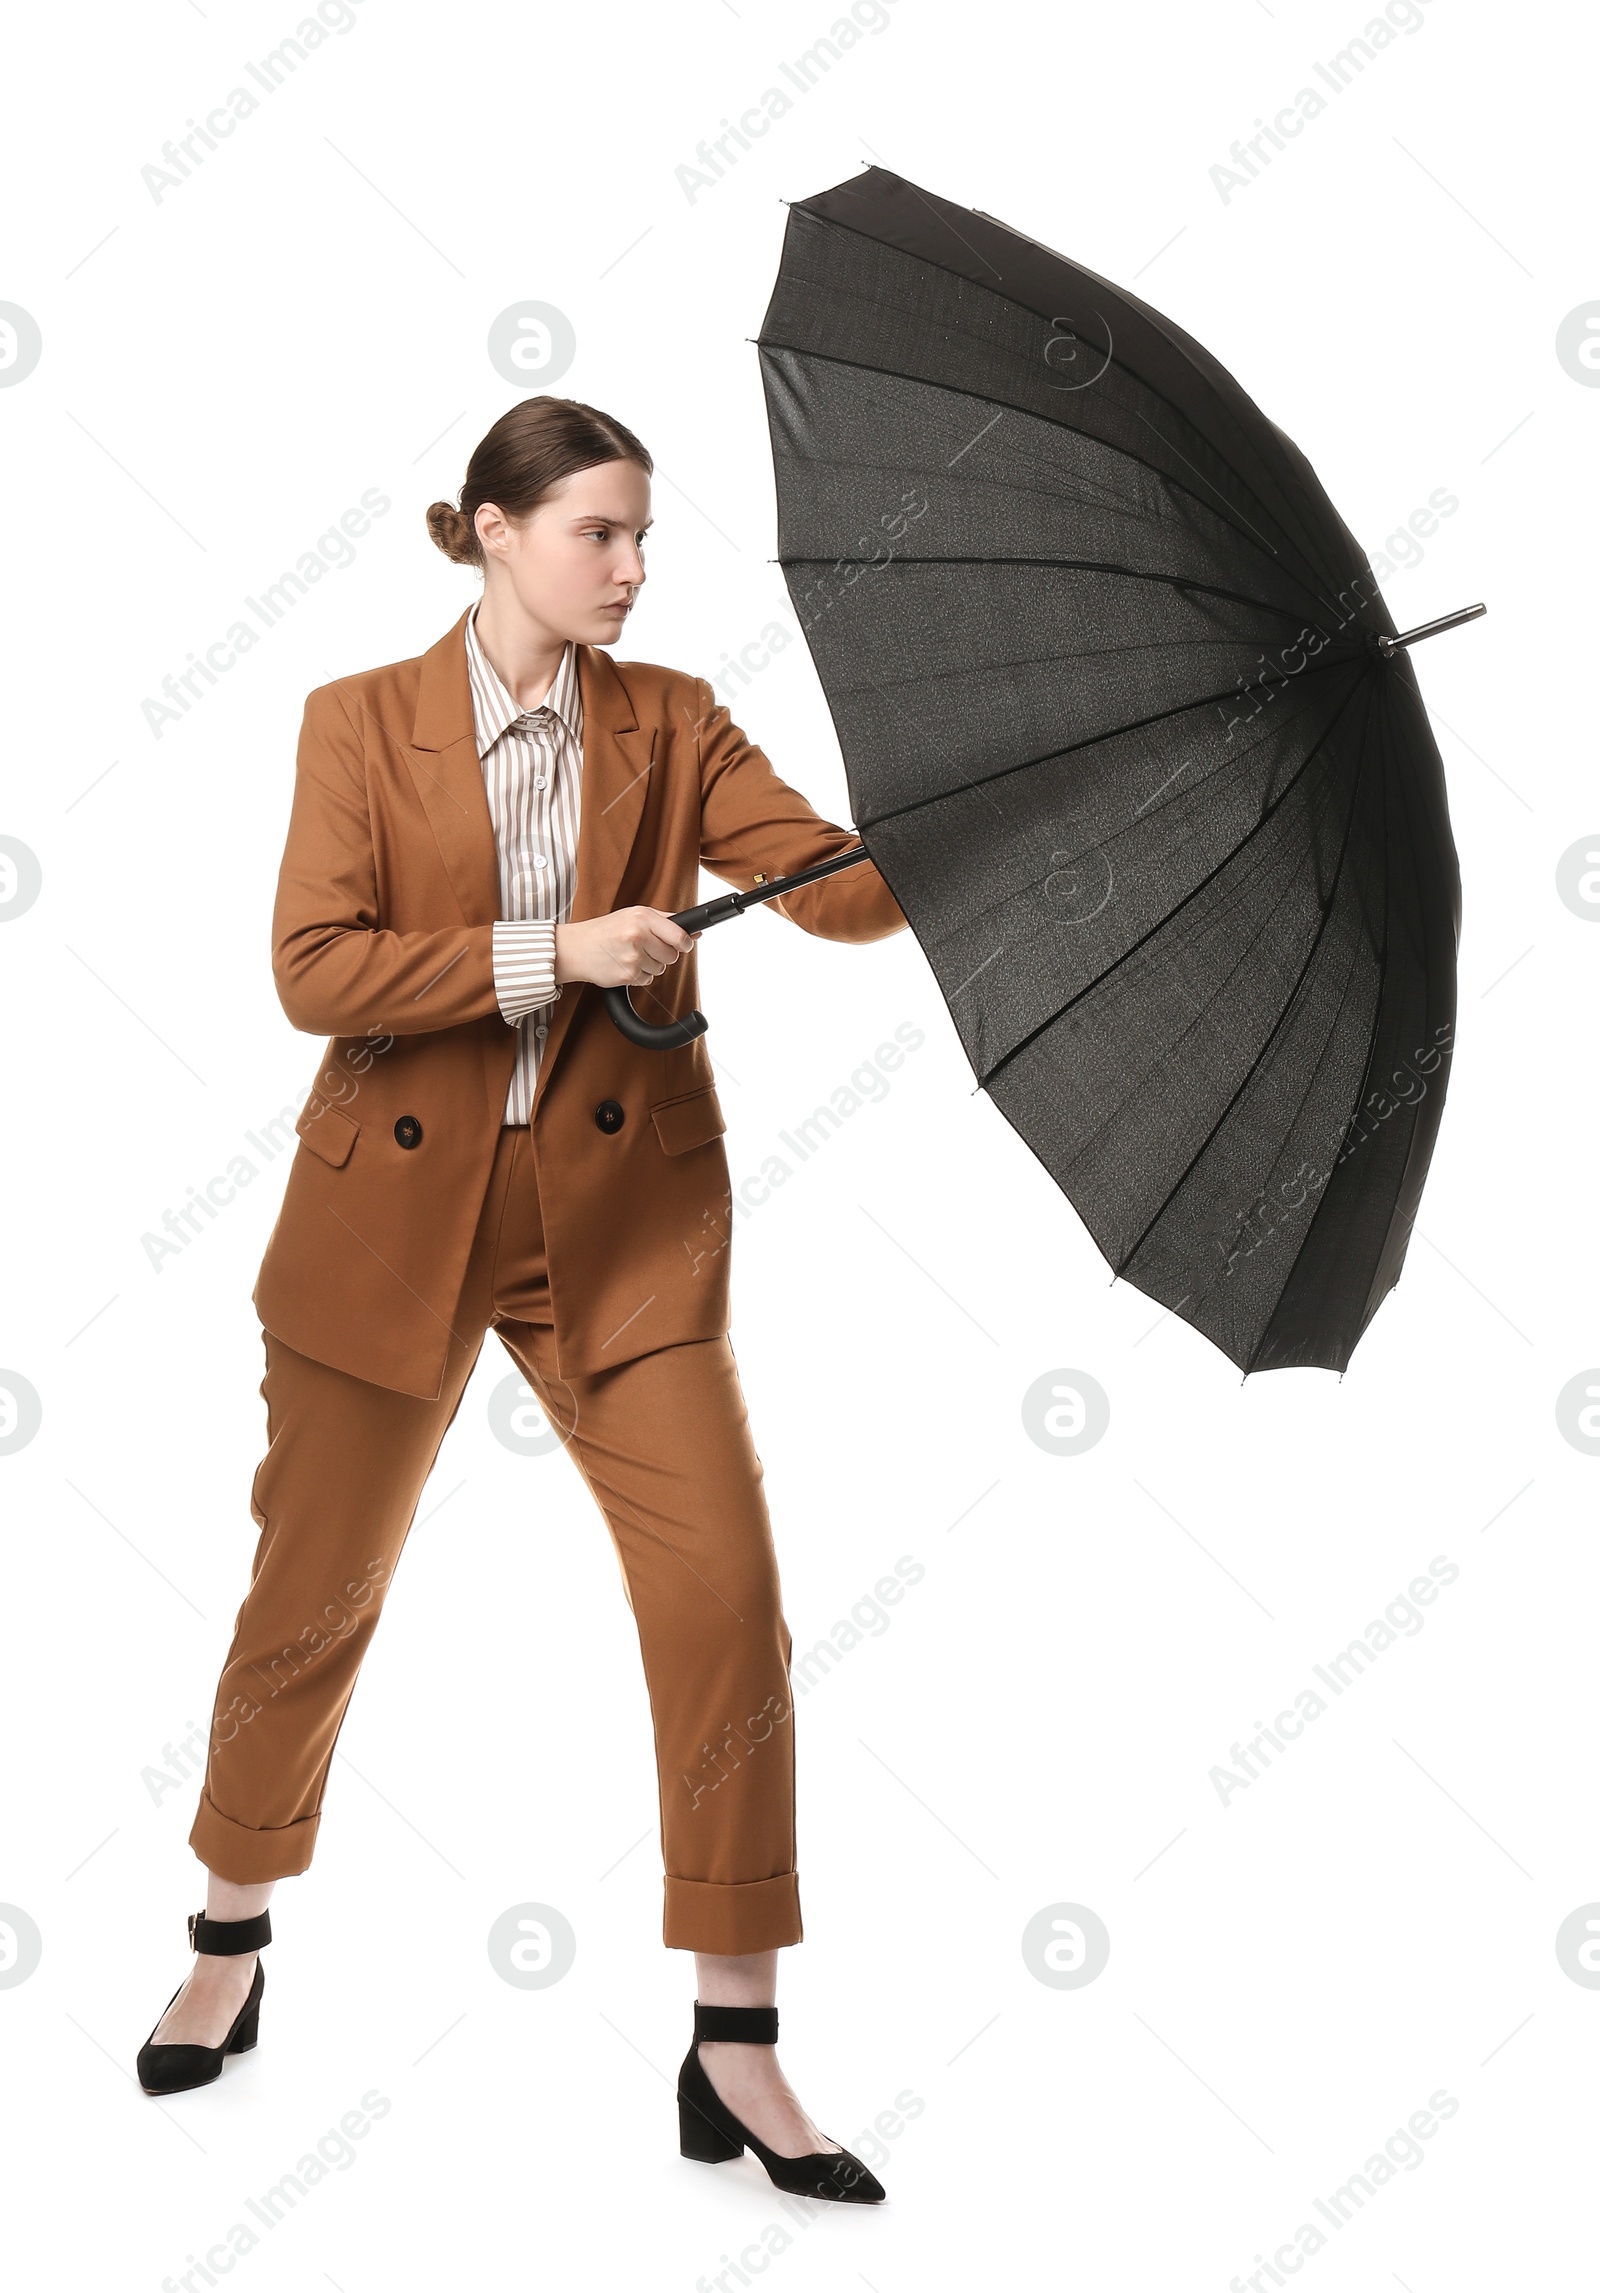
524, 967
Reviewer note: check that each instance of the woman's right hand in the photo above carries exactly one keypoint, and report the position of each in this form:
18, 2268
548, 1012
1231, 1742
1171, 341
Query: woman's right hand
628, 948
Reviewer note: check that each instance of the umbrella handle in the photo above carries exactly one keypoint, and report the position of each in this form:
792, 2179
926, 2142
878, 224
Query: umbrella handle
676, 1032
643, 1032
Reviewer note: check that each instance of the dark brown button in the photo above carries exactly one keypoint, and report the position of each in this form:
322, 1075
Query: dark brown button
408, 1131
610, 1115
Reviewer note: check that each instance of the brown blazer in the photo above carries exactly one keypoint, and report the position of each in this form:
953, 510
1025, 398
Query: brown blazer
381, 940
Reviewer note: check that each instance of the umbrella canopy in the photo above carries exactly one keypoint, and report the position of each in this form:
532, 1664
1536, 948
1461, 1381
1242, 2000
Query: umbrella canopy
1126, 734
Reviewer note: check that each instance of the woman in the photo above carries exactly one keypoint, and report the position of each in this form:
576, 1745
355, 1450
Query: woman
476, 835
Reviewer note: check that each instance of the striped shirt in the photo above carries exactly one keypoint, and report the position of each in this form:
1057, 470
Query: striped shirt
532, 763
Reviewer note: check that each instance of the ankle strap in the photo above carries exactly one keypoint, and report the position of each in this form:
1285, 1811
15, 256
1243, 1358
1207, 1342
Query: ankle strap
228, 1938
754, 2025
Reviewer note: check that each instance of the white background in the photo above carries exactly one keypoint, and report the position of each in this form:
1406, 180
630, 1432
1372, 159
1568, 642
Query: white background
1292, 1974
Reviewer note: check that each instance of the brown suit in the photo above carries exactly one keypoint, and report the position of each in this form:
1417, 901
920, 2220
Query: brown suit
415, 1220
381, 939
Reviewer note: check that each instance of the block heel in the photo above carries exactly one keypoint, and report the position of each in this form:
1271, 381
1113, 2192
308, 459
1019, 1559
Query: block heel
248, 2031
698, 2138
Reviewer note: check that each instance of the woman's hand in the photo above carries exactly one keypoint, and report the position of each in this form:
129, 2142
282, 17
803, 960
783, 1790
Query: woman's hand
628, 948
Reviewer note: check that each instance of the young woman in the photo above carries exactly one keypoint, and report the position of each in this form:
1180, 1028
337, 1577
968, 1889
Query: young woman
477, 835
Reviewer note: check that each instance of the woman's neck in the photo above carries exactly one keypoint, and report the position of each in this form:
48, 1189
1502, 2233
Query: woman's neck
525, 656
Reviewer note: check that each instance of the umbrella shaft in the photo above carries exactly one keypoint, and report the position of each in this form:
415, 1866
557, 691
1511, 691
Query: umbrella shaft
730, 904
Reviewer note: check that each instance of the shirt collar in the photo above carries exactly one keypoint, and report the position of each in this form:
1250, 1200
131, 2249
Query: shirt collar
493, 708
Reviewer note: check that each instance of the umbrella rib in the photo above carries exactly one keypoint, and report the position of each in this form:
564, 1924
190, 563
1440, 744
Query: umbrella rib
1250, 1071
1090, 740
1193, 892
1078, 565
971, 917
1366, 1068
956, 389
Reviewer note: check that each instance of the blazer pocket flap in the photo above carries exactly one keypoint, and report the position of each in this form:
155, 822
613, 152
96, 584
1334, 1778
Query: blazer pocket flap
690, 1120
327, 1130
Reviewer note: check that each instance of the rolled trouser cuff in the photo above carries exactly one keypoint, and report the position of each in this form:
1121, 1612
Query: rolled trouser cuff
247, 1857
760, 1915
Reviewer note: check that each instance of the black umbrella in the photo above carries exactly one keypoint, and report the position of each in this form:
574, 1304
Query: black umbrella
1131, 736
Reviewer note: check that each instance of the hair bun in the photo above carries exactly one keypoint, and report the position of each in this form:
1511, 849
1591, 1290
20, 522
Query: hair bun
452, 532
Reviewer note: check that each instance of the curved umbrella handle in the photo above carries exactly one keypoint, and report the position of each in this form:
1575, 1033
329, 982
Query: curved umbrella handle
644, 1032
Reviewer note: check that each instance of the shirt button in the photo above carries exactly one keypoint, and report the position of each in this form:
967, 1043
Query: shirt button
538, 780
540, 861
541, 1030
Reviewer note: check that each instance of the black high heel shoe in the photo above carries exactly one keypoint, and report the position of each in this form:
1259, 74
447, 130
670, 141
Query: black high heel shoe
709, 2131
172, 2069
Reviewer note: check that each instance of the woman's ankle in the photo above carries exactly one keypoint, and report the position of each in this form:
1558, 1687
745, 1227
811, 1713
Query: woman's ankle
228, 1900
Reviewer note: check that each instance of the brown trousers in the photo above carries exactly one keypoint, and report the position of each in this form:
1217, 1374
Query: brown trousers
664, 1446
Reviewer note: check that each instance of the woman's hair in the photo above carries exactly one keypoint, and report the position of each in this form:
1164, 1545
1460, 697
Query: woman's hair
520, 462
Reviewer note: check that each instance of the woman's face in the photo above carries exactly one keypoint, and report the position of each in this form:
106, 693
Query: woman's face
576, 563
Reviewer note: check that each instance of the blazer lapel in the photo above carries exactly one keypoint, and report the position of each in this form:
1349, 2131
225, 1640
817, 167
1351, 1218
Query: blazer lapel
443, 758
444, 764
